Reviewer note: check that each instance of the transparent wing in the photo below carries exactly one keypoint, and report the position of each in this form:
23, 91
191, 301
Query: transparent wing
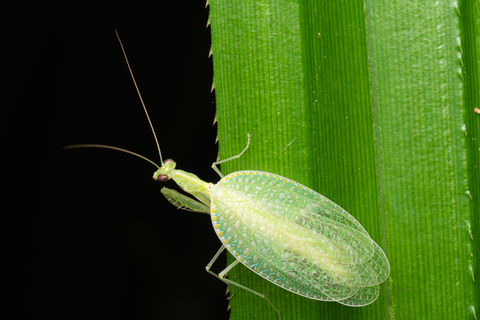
296, 238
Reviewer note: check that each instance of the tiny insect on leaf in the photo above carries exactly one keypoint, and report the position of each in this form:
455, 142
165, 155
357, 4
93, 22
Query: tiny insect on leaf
281, 230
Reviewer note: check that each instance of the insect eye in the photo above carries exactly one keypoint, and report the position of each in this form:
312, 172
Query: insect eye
163, 178
167, 161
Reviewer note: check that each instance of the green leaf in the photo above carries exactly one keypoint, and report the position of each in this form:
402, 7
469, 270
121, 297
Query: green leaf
370, 104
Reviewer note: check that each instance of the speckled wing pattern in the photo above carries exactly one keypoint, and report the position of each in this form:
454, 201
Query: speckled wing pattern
297, 238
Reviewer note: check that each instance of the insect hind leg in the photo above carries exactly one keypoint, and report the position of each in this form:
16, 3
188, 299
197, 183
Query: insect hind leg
214, 165
223, 274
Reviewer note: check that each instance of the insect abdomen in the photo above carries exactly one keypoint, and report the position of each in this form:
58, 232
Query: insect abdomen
293, 236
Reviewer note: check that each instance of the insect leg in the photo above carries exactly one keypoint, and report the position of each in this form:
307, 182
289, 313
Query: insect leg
214, 165
183, 202
223, 274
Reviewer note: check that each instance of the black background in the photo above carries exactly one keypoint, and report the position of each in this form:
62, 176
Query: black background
85, 233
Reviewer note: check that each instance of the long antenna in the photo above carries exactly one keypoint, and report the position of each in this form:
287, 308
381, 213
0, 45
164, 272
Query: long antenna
141, 100
102, 146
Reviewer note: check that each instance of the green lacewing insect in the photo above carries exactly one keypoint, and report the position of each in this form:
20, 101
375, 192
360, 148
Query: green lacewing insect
283, 231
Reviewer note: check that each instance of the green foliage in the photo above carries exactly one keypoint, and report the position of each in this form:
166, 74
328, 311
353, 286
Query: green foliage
370, 104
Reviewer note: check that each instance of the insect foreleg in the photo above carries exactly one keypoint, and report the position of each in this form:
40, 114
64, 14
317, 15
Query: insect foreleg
223, 274
183, 202
214, 165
